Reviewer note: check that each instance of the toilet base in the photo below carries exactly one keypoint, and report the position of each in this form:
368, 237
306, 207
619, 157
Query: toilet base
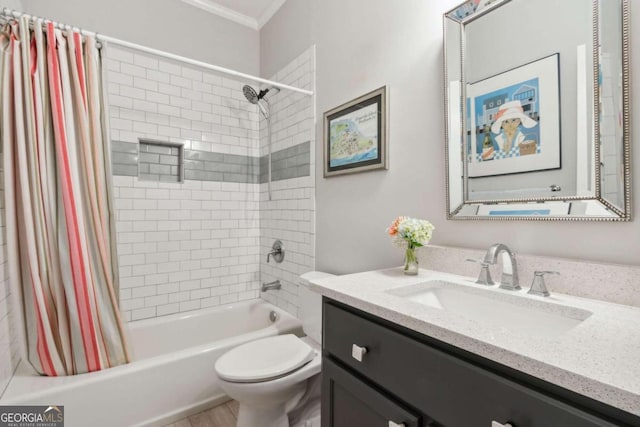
262, 417
268, 410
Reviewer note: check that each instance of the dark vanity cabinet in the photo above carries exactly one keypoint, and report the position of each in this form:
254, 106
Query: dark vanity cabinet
355, 402
376, 373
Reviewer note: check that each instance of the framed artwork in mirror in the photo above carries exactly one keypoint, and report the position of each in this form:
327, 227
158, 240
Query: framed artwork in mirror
514, 120
355, 137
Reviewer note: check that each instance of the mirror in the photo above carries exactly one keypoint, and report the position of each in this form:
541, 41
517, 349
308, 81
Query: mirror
537, 110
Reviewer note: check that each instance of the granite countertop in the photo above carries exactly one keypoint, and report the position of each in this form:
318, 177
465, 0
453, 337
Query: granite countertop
598, 358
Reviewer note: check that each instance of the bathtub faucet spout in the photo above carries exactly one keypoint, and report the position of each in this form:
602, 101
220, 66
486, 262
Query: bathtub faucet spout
271, 285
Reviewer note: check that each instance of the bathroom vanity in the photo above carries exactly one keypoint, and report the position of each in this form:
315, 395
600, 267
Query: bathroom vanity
393, 359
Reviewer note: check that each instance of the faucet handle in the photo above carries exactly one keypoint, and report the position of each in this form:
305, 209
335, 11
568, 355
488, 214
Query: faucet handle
277, 252
538, 287
484, 278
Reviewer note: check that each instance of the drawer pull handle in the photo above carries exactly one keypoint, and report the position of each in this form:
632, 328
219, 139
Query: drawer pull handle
497, 424
358, 353
392, 424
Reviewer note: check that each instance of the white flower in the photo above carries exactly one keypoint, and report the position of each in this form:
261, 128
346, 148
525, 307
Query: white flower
412, 231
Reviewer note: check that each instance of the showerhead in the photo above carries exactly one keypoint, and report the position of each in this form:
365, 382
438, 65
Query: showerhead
253, 96
250, 94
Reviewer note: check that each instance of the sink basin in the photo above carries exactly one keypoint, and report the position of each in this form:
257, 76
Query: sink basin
498, 310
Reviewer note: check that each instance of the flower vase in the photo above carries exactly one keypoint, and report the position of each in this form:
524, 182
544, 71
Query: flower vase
410, 262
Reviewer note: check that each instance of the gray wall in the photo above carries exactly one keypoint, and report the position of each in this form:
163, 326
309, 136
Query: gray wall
363, 44
285, 36
11, 4
168, 25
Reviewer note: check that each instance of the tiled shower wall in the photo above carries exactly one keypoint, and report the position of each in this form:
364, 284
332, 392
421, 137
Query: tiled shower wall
203, 242
290, 214
9, 347
190, 245
185, 246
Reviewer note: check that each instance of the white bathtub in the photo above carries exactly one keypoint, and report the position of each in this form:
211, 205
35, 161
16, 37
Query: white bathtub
172, 375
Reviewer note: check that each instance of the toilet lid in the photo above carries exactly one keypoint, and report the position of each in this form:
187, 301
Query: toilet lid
264, 359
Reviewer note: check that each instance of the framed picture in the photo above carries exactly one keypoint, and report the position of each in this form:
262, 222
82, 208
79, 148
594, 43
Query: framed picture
355, 135
514, 120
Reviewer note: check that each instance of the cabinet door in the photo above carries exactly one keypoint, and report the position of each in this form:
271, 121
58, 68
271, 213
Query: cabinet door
349, 402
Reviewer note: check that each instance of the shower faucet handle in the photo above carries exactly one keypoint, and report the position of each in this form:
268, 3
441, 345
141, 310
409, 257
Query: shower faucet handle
277, 252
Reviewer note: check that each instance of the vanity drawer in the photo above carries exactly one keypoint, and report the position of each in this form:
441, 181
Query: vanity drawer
351, 402
452, 391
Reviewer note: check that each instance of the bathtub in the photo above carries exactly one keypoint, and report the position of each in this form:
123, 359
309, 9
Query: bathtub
172, 375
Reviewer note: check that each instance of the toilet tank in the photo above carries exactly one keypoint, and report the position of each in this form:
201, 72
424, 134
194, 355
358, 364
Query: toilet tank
310, 305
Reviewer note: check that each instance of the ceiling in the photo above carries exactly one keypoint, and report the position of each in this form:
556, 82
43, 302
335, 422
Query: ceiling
251, 13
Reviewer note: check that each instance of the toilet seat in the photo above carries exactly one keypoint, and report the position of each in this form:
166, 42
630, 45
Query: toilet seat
264, 359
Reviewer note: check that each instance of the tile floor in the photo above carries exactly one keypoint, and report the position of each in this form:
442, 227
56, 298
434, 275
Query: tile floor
224, 415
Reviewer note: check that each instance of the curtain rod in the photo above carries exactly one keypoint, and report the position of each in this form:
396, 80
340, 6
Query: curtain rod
10, 13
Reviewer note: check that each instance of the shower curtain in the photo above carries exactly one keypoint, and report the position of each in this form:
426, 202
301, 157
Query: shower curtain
58, 198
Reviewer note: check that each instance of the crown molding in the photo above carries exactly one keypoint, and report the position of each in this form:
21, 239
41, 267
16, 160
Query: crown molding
268, 13
224, 12
237, 17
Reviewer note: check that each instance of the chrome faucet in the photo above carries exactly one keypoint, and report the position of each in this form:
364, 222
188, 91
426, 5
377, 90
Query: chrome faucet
271, 285
509, 279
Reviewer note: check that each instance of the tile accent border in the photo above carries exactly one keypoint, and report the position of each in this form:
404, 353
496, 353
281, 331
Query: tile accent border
124, 158
292, 162
211, 166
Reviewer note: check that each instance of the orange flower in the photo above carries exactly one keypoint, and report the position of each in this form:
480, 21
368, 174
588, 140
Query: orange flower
393, 230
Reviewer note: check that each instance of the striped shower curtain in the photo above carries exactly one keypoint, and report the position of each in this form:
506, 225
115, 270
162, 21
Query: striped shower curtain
58, 198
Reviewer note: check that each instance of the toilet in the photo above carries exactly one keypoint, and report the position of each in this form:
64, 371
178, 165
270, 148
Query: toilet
270, 377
